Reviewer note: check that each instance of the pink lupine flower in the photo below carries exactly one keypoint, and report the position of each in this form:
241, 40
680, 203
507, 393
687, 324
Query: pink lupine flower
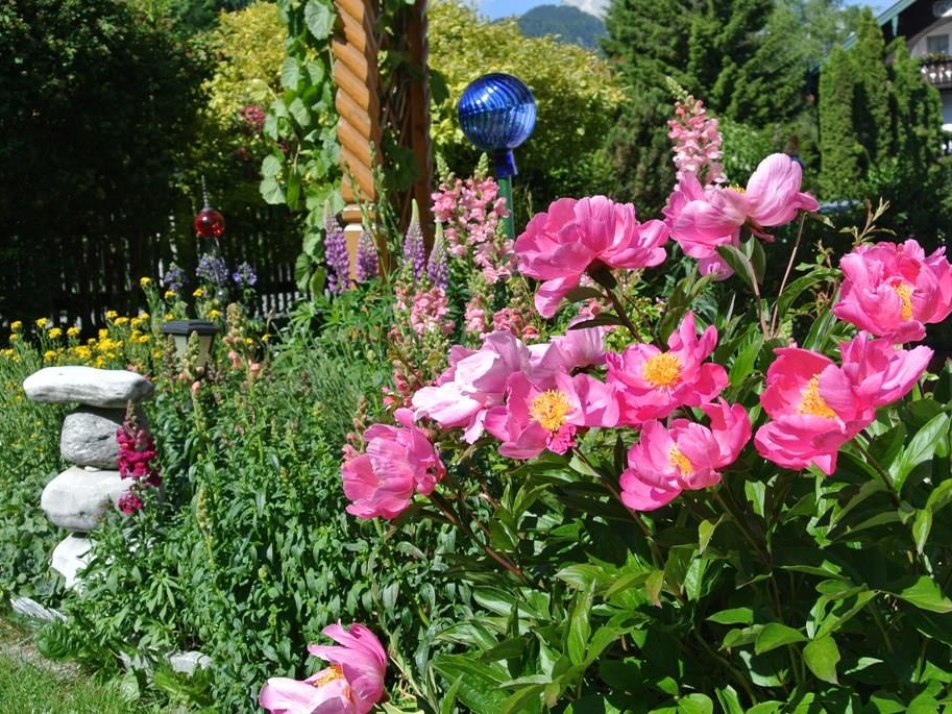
548, 415
352, 684
559, 246
475, 382
892, 290
398, 462
880, 372
702, 219
814, 411
651, 384
684, 457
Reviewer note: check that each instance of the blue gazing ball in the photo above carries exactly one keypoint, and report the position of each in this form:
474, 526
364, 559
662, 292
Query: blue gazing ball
497, 113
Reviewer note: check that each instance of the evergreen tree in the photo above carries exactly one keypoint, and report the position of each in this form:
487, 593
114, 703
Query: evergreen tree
871, 110
839, 147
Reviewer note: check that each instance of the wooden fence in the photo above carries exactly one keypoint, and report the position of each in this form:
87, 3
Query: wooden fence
74, 278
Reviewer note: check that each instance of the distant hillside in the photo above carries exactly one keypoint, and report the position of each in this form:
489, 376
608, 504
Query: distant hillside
571, 25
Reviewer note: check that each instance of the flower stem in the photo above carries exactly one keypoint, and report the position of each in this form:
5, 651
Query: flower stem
786, 275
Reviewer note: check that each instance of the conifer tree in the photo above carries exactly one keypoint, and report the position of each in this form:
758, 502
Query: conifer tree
871, 111
839, 146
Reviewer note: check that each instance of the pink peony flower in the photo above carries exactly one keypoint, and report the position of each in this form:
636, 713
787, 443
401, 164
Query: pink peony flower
651, 384
892, 290
352, 684
685, 456
817, 406
703, 218
814, 410
548, 415
574, 236
581, 348
474, 383
399, 461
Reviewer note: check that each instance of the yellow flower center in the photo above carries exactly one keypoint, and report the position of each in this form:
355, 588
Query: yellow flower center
680, 462
662, 370
904, 291
737, 188
334, 672
813, 403
549, 409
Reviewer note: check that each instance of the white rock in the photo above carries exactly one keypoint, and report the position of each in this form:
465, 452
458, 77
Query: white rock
188, 662
78, 499
87, 385
71, 556
88, 437
31, 608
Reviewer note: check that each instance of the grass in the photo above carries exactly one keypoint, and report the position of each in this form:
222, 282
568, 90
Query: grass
31, 685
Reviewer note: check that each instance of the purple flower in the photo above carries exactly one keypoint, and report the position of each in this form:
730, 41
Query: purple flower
335, 253
212, 270
174, 278
414, 251
253, 117
366, 258
437, 268
244, 276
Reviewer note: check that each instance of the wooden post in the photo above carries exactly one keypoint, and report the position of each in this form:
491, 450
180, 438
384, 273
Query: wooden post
358, 106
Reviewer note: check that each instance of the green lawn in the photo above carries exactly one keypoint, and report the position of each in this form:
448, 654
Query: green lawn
32, 685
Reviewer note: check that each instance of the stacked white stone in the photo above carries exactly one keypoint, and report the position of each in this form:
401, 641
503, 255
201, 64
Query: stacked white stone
79, 497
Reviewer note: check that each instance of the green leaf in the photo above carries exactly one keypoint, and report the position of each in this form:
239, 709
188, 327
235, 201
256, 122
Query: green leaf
925, 594
478, 682
271, 166
448, 705
940, 497
319, 19
921, 448
605, 318
271, 191
746, 359
653, 586
583, 293
695, 704
580, 628
729, 701
300, 113
921, 528
527, 699
290, 74
821, 656
796, 288
733, 616
705, 531
739, 263
776, 635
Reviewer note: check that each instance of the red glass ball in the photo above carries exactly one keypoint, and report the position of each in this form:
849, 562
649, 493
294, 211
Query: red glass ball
209, 223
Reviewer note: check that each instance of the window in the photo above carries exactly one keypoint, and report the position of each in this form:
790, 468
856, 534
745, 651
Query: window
937, 44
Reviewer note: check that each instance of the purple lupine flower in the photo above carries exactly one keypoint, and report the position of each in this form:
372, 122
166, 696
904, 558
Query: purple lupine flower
212, 270
414, 251
335, 253
366, 257
174, 278
437, 267
244, 276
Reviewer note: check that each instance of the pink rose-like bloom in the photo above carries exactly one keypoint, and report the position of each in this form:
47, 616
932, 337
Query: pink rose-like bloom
399, 461
583, 348
474, 383
685, 457
548, 415
892, 290
651, 384
559, 246
352, 684
703, 218
880, 372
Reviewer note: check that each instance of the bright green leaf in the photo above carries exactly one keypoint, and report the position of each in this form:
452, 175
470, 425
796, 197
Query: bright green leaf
821, 656
925, 594
776, 635
319, 19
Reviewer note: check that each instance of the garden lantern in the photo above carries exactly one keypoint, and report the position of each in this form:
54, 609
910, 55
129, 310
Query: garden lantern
182, 331
497, 113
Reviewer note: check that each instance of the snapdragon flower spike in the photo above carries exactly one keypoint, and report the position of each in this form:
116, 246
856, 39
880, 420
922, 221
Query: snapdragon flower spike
697, 141
352, 684
399, 461
683, 457
893, 291
651, 384
578, 236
